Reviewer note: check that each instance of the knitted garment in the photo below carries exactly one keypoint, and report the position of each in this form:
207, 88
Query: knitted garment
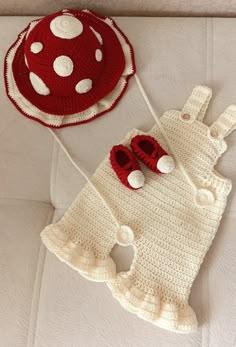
68, 68
170, 224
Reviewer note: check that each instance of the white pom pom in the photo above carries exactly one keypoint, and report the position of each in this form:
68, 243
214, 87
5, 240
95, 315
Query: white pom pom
166, 164
136, 179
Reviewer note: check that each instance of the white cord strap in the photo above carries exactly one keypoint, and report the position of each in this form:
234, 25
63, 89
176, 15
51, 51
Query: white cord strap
164, 133
85, 176
156, 118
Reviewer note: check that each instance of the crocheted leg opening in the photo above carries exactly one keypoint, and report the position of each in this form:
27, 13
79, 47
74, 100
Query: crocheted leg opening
84, 261
152, 308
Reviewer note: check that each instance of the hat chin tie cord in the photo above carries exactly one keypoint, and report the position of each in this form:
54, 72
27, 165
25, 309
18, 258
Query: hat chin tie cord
85, 176
162, 130
163, 134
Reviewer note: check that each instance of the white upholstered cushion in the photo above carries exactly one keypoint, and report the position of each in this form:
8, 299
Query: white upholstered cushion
43, 303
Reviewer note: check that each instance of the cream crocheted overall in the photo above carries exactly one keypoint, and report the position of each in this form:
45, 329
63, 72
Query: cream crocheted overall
170, 222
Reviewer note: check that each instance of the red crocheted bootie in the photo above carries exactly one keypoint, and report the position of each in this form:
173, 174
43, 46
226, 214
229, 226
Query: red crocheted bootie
126, 167
148, 150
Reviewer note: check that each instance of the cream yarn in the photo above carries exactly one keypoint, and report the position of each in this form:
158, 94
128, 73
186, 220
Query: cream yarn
171, 221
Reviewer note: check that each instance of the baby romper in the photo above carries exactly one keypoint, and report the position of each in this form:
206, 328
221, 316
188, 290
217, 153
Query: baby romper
170, 222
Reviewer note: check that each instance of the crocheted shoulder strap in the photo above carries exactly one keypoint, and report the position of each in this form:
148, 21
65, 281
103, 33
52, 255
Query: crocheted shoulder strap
197, 103
225, 124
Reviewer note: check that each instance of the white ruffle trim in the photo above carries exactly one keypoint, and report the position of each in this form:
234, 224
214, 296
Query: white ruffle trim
152, 308
84, 261
161, 313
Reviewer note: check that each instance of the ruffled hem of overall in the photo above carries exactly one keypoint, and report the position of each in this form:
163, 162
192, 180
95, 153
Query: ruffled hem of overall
160, 312
84, 261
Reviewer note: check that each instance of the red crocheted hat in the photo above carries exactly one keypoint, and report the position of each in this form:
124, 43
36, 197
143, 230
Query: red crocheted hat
68, 68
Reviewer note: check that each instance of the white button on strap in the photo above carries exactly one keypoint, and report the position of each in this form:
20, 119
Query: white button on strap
125, 236
204, 197
213, 133
136, 179
186, 117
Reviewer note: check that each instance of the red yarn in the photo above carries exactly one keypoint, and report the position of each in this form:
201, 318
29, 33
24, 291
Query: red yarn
123, 163
63, 99
148, 150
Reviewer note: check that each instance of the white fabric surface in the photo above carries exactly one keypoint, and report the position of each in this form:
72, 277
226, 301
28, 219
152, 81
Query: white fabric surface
43, 303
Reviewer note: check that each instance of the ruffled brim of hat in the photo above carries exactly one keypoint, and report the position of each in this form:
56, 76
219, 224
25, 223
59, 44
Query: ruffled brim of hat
57, 121
164, 314
82, 260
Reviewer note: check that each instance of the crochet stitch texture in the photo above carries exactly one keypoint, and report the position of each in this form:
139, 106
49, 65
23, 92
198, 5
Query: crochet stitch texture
173, 224
68, 68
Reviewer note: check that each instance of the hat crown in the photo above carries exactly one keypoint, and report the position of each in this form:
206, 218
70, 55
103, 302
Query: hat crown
68, 68
63, 50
